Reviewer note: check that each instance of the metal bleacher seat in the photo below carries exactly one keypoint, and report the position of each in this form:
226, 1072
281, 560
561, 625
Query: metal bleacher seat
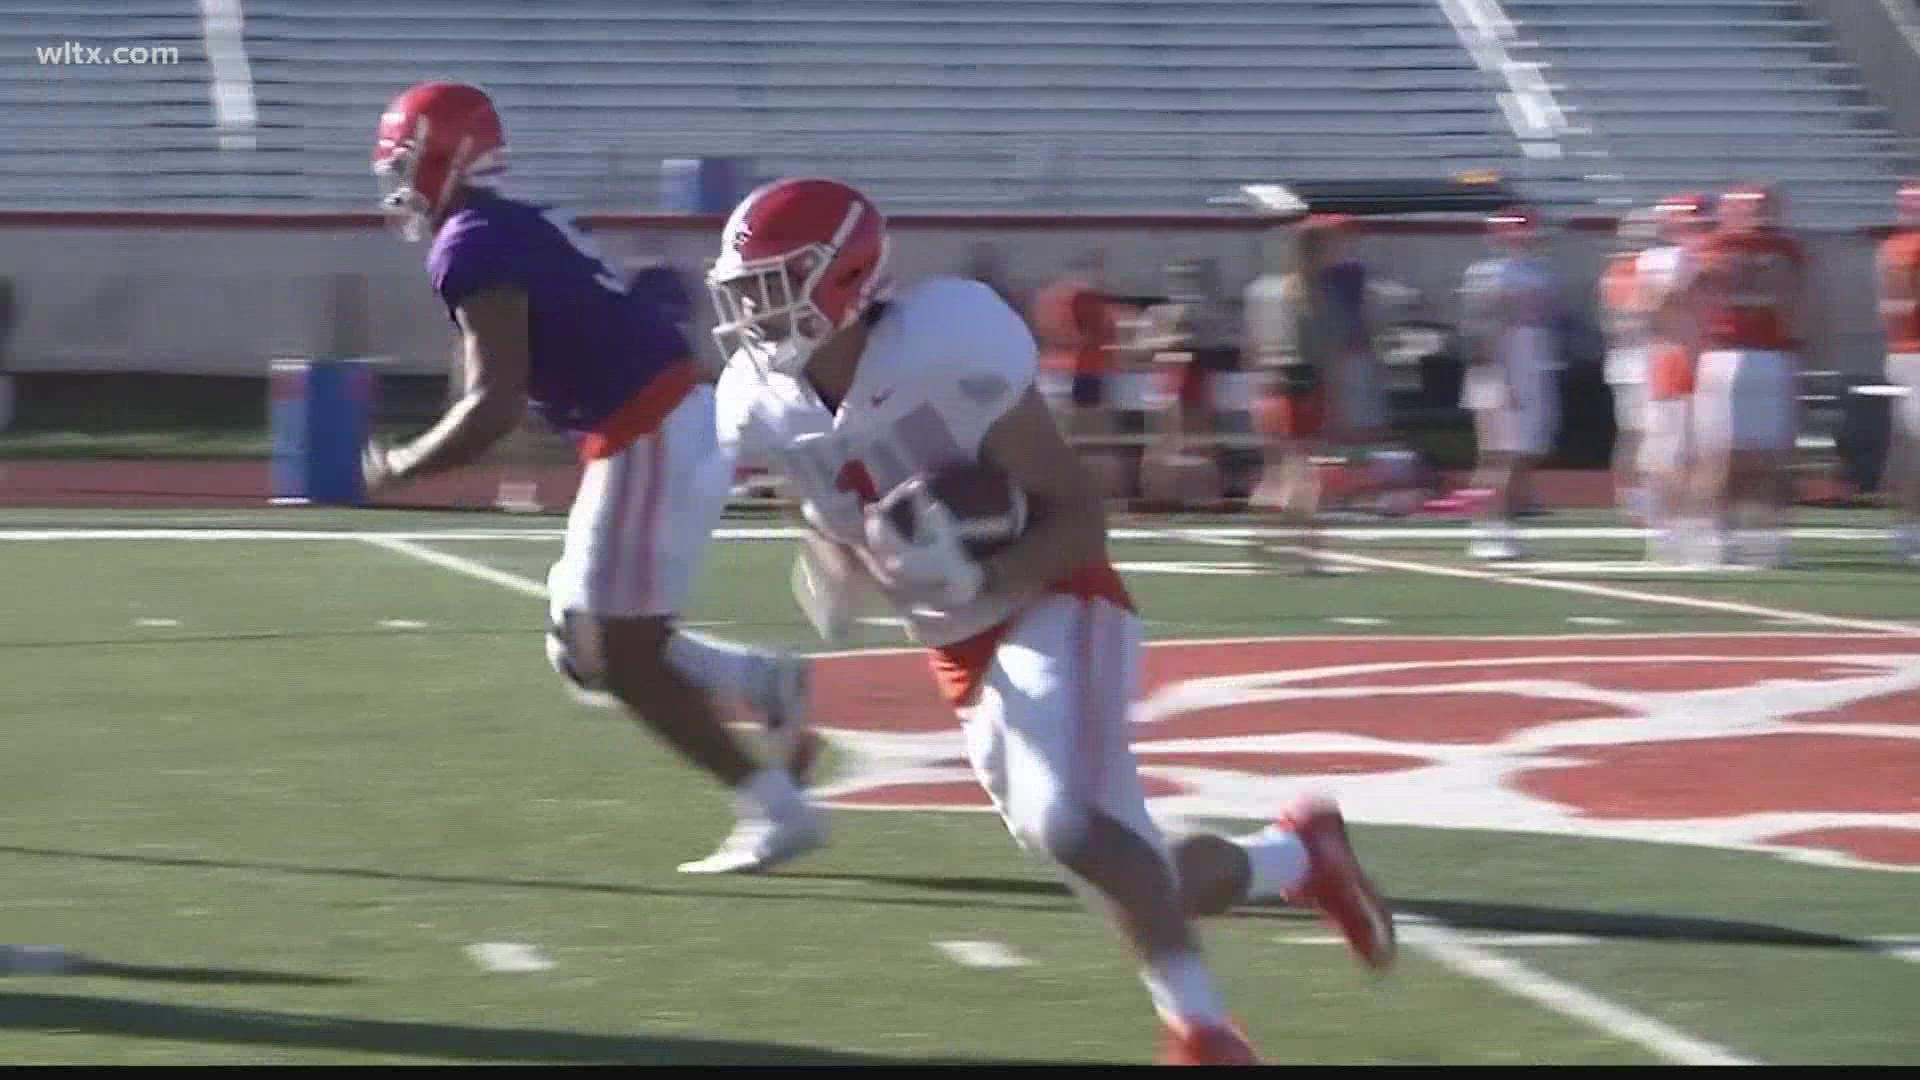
1701, 93
1137, 104
989, 93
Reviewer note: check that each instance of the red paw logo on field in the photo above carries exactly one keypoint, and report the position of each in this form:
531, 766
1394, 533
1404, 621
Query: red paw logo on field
1802, 745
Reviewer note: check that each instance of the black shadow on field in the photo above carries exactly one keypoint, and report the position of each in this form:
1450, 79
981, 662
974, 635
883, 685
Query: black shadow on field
94, 967
1456, 914
1037, 895
1626, 926
1005, 886
770, 893
69, 1013
938, 883
246, 636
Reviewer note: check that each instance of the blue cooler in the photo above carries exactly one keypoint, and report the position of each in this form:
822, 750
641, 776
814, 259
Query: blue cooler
320, 412
704, 185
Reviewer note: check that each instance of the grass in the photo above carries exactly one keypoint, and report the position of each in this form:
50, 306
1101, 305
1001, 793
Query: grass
282, 819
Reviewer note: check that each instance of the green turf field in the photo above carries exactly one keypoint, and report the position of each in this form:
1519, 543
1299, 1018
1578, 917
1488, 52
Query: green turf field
284, 777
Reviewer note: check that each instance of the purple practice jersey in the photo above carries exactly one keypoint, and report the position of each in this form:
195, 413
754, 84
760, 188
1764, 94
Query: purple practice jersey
601, 357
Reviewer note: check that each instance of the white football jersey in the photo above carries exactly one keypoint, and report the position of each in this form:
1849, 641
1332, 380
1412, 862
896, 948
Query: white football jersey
1662, 268
1659, 272
944, 361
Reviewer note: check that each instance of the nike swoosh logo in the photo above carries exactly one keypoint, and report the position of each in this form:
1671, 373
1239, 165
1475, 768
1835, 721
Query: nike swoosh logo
881, 399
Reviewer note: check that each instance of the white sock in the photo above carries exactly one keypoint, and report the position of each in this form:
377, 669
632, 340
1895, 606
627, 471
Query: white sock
1276, 860
1183, 991
1637, 501
772, 792
728, 667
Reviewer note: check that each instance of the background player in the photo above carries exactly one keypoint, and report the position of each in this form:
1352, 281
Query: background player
545, 320
1507, 321
1628, 344
1900, 313
1750, 288
1310, 335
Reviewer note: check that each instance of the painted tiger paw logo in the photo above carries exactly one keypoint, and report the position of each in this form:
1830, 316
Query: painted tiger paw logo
1800, 745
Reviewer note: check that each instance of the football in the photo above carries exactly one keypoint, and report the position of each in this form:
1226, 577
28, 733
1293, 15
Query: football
990, 511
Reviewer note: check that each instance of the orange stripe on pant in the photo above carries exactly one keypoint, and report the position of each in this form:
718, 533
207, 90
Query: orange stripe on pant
1082, 776
608, 570
959, 667
642, 414
657, 479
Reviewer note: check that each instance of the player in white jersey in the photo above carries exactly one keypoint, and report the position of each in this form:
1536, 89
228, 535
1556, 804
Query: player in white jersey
851, 394
1628, 341
1661, 276
1508, 306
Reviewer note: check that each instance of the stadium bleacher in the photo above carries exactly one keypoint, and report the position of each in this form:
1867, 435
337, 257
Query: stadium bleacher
1120, 105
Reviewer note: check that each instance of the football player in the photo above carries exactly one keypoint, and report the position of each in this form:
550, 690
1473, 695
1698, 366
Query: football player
856, 393
545, 321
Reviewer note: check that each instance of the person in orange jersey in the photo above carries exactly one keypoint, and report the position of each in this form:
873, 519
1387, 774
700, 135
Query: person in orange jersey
1900, 314
1751, 287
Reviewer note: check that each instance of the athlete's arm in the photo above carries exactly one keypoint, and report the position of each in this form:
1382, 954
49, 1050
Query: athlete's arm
1067, 519
1482, 316
493, 324
1899, 289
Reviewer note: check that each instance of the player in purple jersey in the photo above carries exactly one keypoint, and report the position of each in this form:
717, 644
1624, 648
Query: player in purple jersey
546, 323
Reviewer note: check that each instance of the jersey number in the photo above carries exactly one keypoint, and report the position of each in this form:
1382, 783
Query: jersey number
854, 478
564, 221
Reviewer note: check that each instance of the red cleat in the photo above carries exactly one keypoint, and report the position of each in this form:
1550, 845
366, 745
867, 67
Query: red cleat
1335, 884
1207, 1046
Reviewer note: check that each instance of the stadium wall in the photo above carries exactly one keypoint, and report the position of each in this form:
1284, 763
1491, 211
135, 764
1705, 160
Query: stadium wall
223, 294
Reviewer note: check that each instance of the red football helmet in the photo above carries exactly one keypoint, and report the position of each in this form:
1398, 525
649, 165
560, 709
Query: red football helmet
800, 259
1750, 208
434, 138
1683, 216
1908, 201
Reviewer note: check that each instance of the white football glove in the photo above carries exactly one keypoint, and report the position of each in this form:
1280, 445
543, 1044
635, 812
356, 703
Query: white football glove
837, 517
933, 570
829, 584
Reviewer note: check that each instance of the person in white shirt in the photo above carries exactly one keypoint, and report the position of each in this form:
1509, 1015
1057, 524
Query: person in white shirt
856, 393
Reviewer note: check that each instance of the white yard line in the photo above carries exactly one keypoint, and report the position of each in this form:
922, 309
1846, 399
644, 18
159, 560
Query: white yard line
1615, 592
175, 529
526, 586
982, 954
1453, 951
509, 957
1610, 592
